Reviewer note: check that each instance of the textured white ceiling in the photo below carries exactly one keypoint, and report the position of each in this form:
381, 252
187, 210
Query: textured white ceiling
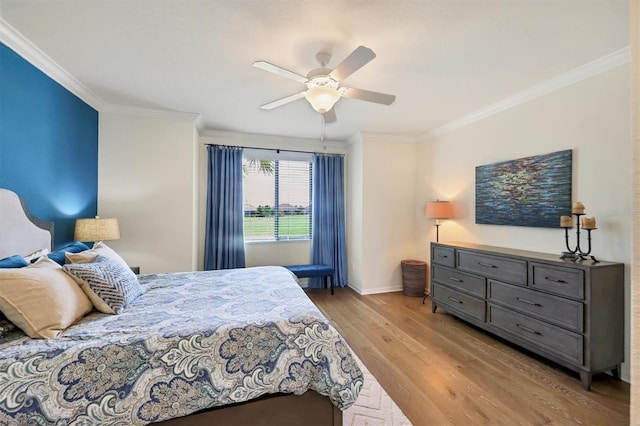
442, 59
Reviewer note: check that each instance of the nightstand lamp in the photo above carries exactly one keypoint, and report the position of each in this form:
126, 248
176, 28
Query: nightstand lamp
439, 210
97, 229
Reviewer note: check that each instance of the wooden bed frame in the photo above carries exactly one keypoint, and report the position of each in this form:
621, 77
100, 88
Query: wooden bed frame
309, 409
21, 233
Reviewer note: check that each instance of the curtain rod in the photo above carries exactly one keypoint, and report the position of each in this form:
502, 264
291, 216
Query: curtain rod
277, 150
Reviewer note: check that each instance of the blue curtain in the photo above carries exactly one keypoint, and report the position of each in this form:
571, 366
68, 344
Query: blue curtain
328, 242
224, 239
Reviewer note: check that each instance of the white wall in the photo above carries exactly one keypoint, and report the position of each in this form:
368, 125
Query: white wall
382, 211
591, 117
146, 172
277, 253
354, 210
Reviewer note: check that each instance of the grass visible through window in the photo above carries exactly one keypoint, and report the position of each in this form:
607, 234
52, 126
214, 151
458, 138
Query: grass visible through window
295, 226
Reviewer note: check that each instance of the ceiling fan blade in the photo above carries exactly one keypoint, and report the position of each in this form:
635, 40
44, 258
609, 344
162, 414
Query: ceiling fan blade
366, 95
280, 71
352, 63
330, 116
283, 101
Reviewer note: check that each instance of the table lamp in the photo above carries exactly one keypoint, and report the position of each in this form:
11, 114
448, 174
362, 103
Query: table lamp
439, 210
97, 229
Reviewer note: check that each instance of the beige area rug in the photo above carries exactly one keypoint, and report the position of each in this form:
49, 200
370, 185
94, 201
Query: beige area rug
374, 406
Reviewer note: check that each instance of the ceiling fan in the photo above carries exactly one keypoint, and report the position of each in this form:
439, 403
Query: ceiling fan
324, 87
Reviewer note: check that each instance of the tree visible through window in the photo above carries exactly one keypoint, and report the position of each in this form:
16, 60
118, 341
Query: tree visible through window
277, 199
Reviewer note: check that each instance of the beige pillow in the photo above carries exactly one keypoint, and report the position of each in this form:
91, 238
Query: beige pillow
41, 298
87, 256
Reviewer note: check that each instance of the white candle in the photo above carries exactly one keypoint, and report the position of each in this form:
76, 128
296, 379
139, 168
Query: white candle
589, 223
566, 222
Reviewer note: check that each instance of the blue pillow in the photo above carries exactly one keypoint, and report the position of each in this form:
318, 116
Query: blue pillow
13, 262
74, 247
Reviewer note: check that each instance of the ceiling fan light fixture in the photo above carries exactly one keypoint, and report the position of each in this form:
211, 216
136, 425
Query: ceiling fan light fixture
322, 98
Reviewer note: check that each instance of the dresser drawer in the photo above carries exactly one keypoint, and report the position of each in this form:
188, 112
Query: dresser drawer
510, 270
556, 340
457, 301
443, 256
558, 280
461, 280
563, 312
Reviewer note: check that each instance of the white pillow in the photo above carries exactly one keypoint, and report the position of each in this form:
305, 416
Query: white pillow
88, 256
36, 255
45, 262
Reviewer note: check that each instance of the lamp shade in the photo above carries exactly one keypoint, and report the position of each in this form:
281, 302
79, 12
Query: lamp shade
439, 210
97, 229
322, 98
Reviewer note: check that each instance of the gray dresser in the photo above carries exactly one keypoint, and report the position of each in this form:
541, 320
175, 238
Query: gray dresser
569, 312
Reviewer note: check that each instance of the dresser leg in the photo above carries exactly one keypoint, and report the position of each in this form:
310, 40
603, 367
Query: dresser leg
616, 372
586, 377
433, 307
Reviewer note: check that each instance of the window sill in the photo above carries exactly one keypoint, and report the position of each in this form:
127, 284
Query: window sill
301, 240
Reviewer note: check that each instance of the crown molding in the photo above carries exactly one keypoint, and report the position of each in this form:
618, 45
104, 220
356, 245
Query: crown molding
388, 137
199, 124
31, 53
590, 69
356, 137
152, 113
381, 137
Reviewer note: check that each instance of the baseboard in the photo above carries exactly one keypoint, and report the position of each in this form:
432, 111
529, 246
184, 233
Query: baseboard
375, 290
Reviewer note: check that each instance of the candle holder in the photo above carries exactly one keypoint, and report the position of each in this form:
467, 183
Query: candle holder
577, 252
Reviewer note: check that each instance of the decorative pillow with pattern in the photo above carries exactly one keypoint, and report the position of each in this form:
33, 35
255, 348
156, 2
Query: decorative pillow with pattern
109, 285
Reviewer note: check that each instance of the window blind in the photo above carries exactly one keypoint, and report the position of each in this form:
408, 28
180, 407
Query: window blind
277, 198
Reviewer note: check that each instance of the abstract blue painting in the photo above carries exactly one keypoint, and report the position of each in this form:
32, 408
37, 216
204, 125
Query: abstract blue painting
532, 191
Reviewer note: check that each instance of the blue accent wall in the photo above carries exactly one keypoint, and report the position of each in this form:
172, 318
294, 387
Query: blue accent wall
48, 145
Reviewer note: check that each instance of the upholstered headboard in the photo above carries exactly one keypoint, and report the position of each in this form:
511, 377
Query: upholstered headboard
20, 232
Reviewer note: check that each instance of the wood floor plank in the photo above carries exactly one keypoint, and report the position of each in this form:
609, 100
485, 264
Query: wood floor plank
440, 370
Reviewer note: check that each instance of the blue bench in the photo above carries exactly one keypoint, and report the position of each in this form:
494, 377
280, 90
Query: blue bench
309, 271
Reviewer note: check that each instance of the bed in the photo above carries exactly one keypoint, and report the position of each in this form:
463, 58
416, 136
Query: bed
242, 346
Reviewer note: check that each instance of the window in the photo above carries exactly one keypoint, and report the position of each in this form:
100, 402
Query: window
277, 198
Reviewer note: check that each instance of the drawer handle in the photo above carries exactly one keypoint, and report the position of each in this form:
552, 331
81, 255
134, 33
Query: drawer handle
555, 280
456, 279
488, 265
455, 300
528, 302
528, 330
443, 255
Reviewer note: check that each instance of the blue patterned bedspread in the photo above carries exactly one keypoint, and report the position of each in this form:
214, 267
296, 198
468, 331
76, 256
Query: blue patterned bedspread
191, 341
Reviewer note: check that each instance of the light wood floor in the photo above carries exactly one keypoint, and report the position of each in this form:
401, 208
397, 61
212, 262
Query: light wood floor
440, 370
